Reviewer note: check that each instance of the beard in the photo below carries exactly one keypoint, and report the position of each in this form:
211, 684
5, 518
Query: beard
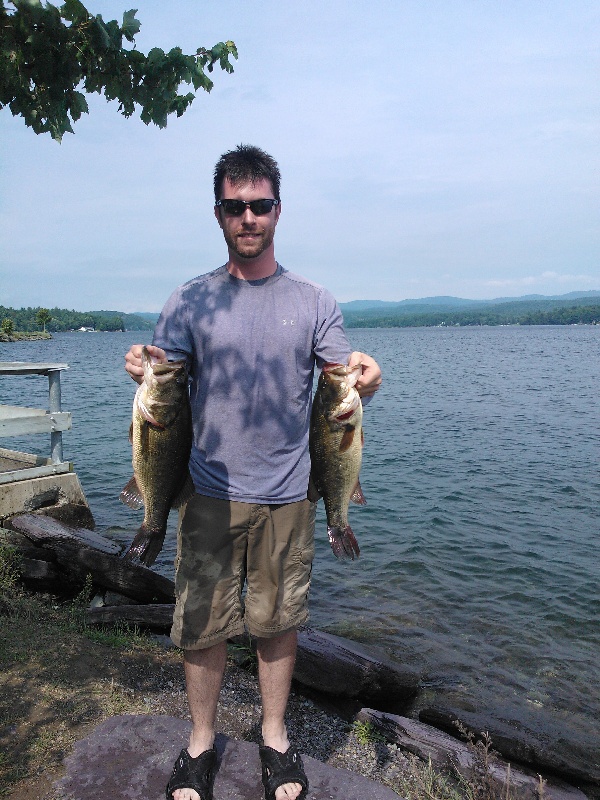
261, 240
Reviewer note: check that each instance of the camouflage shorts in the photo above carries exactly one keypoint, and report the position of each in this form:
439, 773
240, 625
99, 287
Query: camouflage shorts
224, 545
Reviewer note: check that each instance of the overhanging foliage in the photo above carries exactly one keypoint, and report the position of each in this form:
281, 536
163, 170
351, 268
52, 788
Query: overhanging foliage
48, 53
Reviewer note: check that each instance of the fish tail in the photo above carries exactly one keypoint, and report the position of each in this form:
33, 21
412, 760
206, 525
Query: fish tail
343, 542
146, 546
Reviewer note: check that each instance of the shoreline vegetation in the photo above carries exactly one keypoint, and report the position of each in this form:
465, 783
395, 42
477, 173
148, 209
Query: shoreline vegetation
61, 678
24, 336
572, 309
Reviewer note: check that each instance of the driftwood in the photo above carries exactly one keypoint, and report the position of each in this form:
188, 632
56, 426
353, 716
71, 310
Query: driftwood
344, 668
43, 530
25, 547
79, 552
521, 744
155, 616
446, 751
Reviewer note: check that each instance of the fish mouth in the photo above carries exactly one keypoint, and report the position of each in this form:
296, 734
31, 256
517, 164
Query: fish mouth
342, 372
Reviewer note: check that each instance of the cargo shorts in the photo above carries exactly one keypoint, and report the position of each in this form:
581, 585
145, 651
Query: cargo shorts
224, 545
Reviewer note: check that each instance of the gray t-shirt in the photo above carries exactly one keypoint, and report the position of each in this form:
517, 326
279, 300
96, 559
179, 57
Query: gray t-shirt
251, 348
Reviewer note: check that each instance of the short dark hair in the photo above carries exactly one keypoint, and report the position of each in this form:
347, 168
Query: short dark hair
246, 164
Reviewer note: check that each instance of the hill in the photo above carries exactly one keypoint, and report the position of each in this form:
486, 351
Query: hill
568, 309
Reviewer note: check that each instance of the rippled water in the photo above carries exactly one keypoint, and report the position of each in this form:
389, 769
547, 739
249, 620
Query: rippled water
479, 561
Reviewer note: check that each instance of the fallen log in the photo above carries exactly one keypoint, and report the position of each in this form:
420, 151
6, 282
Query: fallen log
24, 546
347, 669
42, 530
39, 575
79, 553
155, 616
519, 743
446, 751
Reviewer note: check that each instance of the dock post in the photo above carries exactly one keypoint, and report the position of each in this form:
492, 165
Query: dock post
56, 448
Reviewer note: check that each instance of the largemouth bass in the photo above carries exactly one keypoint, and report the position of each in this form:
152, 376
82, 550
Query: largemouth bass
336, 441
161, 436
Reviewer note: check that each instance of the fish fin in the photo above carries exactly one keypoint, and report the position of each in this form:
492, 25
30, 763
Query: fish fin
313, 494
131, 432
343, 542
347, 438
357, 495
362, 437
185, 493
145, 546
131, 495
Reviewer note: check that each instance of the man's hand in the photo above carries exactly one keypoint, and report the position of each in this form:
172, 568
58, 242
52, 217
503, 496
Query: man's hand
370, 380
133, 360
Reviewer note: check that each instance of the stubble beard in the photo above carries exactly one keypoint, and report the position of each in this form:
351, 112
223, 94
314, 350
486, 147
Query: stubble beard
251, 249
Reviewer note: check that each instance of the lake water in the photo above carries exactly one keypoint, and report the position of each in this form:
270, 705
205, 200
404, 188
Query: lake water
479, 563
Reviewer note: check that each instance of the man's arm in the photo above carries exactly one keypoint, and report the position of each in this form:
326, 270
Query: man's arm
133, 360
370, 380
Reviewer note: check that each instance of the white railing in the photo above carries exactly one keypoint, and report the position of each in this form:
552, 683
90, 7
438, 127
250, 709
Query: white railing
20, 421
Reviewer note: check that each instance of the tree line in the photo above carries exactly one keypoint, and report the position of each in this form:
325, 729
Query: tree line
61, 319
572, 315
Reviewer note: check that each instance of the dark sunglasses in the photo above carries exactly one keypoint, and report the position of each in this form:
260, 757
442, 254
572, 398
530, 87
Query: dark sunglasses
235, 208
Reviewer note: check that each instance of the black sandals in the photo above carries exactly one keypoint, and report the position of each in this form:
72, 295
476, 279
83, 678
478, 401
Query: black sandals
279, 768
194, 773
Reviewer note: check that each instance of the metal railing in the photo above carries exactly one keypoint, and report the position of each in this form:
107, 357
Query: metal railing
20, 421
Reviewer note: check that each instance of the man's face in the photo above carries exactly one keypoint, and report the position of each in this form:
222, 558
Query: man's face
248, 236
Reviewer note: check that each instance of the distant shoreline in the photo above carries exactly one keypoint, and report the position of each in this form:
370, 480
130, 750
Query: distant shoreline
17, 336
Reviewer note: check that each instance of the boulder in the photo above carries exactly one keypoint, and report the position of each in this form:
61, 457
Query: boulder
132, 756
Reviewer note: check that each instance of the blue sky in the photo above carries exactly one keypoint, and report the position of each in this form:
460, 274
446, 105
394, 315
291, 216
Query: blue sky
426, 148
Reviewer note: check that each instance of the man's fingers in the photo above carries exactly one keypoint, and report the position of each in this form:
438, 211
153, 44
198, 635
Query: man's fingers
370, 380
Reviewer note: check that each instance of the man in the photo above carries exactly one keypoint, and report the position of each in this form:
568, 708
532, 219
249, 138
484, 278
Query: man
251, 333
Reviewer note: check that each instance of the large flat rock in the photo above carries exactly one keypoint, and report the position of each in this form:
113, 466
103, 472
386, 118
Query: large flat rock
132, 756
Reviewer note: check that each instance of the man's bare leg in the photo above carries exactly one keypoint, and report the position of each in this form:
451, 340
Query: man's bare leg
276, 659
203, 677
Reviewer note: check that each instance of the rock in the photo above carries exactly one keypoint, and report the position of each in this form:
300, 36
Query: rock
345, 668
444, 751
132, 756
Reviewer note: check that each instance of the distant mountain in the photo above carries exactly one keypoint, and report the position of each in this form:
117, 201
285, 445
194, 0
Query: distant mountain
570, 309
150, 316
458, 302
131, 322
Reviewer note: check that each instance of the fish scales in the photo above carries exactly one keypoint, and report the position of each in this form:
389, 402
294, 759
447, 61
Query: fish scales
336, 451
161, 437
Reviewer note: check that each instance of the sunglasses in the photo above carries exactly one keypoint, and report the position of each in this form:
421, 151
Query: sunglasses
235, 208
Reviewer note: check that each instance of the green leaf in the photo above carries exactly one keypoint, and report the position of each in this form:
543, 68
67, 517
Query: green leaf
79, 106
131, 25
100, 29
156, 57
74, 11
